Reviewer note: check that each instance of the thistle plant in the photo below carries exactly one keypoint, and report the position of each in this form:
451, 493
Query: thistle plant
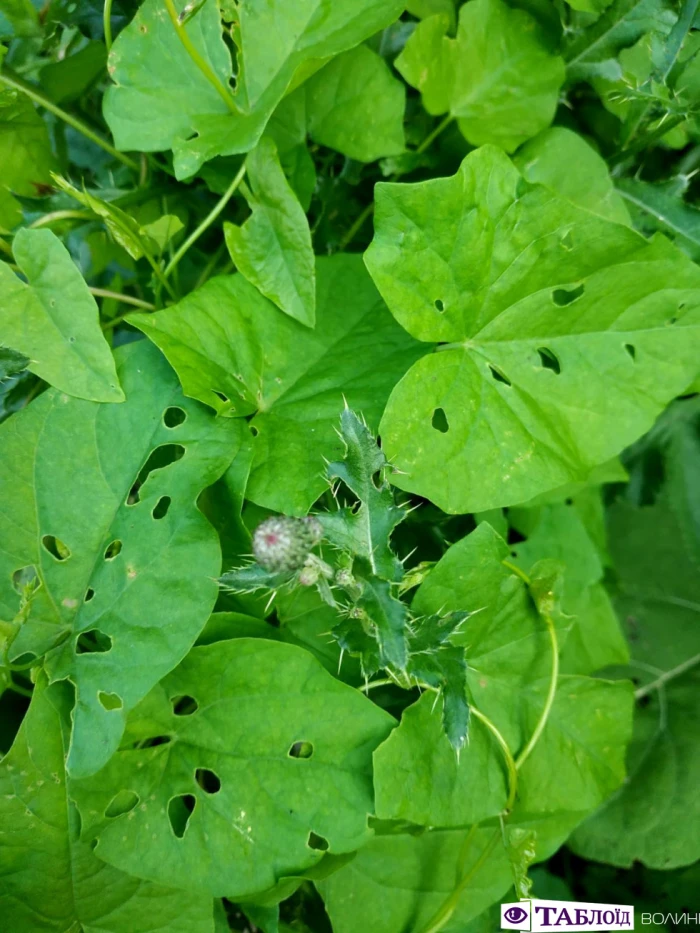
347, 555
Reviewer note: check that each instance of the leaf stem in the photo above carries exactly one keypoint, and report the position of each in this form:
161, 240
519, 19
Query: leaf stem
54, 216
72, 121
356, 227
667, 676
431, 137
207, 222
198, 59
507, 757
125, 299
107, 23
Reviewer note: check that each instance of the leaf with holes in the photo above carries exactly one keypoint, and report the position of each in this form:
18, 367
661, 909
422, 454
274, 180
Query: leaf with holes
241, 770
273, 247
233, 350
566, 335
125, 561
49, 879
53, 319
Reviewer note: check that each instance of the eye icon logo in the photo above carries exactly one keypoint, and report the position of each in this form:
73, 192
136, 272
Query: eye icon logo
516, 916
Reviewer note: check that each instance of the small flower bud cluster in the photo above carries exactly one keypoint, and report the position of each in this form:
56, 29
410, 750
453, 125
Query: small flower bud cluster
281, 543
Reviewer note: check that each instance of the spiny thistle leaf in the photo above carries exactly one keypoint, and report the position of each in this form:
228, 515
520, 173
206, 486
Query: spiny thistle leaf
388, 616
253, 577
364, 531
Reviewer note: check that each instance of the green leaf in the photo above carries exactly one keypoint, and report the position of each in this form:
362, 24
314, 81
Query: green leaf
559, 532
501, 92
522, 851
11, 362
134, 537
558, 323
226, 338
356, 106
580, 755
548, 159
398, 882
265, 728
18, 18
654, 545
388, 616
53, 319
364, 530
416, 778
49, 879
592, 51
273, 247
25, 151
661, 207
70, 77
155, 76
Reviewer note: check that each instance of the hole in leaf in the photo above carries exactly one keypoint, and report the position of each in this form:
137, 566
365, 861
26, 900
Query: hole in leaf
173, 416
158, 459
89, 594
439, 421
110, 700
180, 810
184, 705
208, 780
123, 802
499, 376
631, 350
565, 296
567, 241
253, 430
439, 305
161, 507
154, 741
112, 550
23, 577
672, 320
549, 360
301, 749
93, 642
220, 395
56, 547
317, 842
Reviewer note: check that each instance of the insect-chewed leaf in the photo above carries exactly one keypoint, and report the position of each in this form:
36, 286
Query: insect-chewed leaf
126, 562
270, 751
364, 531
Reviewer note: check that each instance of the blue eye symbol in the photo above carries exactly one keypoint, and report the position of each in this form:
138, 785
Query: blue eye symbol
515, 914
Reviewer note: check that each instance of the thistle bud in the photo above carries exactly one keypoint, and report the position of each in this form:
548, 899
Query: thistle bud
282, 544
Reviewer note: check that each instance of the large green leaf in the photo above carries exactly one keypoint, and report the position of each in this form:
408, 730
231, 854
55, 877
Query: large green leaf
656, 555
398, 882
126, 562
51, 882
226, 339
501, 92
280, 773
548, 159
558, 531
25, 151
273, 247
580, 755
53, 319
567, 334
162, 99
356, 105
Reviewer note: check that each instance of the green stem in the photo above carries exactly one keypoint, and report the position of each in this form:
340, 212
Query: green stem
125, 299
666, 676
431, 137
60, 215
207, 222
107, 23
78, 125
210, 266
23, 691
444, 914
356, 227
511, 766
199, 61
551, 692
382, 682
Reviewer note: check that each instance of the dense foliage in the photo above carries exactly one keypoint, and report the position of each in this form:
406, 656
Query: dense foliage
350, 517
